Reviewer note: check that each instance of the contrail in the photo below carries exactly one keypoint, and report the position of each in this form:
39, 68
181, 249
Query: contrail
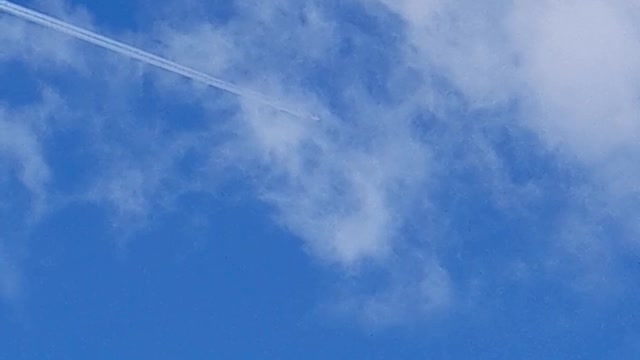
143, 56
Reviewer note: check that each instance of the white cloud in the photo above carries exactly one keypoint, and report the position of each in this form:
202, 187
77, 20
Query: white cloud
568, 66
570, 63
343, 189
577, 62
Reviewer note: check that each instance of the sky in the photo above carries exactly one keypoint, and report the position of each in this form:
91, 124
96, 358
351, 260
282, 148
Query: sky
465, 189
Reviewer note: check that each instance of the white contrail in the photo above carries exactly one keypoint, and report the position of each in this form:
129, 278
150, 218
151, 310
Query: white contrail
141, 55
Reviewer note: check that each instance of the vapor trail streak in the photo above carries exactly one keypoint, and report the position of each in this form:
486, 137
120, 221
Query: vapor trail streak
141, 55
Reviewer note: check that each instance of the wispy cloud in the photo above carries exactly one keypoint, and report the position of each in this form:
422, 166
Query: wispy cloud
339, 183
10, 281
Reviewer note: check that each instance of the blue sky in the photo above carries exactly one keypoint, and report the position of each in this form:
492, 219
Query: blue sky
468, 191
